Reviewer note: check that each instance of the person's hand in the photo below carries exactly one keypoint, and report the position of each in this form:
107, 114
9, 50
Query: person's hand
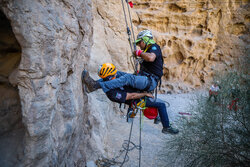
138, 52
149, 95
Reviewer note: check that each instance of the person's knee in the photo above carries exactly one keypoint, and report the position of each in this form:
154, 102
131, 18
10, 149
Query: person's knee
130, 78
161, 105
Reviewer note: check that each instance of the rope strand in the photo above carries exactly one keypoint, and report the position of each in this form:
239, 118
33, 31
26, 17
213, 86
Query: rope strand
131, 25
128, 30
105, 162
131, 44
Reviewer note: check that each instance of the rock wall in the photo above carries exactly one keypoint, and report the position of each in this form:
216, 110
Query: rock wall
109, 45
55, 39
10, 55
11, 127
110, 42
195, 37
55, 124
198, 38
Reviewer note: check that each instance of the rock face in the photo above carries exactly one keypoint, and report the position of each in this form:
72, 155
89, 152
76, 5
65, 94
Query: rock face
45, 119
110, 42
55, 38
198, 38
10, 54
11, 127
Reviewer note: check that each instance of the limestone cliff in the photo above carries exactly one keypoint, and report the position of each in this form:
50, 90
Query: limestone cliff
197, 38
45, 118
55, 39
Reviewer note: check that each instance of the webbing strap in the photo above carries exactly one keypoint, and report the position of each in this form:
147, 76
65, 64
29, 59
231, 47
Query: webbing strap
146, 48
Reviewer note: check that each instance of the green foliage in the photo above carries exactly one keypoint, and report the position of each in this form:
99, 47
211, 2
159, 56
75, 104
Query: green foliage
215, 135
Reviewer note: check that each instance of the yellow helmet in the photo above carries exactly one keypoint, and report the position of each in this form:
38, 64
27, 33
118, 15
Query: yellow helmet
106, 69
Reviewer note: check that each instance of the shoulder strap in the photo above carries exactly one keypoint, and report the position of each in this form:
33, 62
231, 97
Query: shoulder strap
146, 48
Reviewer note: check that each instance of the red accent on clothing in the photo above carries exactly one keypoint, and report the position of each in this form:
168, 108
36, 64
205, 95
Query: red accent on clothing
131, 4
233, 104
138, 52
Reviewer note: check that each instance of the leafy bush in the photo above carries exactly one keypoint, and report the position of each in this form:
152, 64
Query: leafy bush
216, 134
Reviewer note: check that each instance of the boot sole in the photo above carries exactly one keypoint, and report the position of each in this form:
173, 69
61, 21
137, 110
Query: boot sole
84, 87
84, 73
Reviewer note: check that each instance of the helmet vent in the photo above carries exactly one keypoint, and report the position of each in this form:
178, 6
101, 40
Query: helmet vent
106, 71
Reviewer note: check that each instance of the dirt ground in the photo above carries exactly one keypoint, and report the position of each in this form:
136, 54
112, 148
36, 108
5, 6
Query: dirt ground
153, 139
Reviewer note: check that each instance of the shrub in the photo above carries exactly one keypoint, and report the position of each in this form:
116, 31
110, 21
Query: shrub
216, 134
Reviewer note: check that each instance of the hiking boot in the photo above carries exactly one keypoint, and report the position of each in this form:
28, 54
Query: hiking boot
157, 120
170, 130
90, 83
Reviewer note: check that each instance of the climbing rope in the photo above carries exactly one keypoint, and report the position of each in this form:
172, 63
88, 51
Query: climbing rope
126, 146
128, 142
140, 148
131, 25
127, 27
134, 61
141, 107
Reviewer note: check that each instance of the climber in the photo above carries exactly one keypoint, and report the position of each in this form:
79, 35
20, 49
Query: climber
151, 69
214, 90
125, 94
